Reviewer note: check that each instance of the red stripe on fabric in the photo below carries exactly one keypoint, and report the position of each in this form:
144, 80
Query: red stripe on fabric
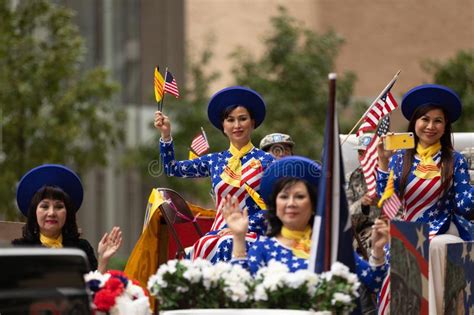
385, 296
420, 194
423, 204
413, 188
199, 244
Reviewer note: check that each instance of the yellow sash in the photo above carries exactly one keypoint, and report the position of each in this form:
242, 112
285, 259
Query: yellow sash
51, 242
301, 241
233, 170
427, 168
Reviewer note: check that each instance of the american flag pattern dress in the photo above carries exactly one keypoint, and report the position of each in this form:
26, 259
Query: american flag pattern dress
423, 202
211, 246
266, 249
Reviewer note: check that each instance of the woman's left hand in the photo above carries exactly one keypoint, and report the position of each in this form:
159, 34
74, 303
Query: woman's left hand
110, 244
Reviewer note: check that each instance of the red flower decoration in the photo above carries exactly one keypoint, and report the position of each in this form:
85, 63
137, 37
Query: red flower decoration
114, 285
104, 300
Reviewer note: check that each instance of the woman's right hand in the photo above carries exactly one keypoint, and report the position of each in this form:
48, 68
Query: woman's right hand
237, 221
384, 155
163, 124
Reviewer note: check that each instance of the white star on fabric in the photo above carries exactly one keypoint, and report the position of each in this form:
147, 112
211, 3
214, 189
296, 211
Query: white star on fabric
464, 251
274, 253
284, 260
420, 240
468, 290
296, 265
253, 258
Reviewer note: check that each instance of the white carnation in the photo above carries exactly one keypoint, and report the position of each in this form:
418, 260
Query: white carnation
342, 298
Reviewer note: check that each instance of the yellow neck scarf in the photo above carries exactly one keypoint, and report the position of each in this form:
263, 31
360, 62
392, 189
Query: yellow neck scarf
51, 242
233, 171
301, 241
427, 168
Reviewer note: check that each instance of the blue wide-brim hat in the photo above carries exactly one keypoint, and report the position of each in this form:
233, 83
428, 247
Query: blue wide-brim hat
236, 95
297, 167
432, 94
49, 175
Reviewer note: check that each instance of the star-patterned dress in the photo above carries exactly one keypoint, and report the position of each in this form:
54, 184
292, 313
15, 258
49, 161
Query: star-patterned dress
422, 201
266, 249
211, 246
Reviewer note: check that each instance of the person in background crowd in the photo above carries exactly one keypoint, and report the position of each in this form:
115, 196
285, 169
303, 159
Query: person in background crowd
289, 187
432, 179
49, 196
236, 111
277, 144
362, 206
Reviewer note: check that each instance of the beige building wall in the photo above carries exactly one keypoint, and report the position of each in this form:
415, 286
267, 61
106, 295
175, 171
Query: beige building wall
382, 36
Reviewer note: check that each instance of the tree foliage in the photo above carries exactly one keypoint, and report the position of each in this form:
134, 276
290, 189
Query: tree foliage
458, 74
51, 110
292, 76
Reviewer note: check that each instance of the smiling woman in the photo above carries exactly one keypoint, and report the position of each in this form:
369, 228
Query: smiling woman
432, 179
49, 196
236, 111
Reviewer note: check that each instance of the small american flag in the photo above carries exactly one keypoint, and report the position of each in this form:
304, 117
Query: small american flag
381, 108
171, 86
391, 206
391, 202
370, 158
200, 144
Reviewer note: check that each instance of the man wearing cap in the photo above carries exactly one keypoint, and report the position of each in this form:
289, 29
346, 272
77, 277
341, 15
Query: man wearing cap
277, 144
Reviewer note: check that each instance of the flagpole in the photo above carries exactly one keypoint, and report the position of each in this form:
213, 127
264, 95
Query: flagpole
389, 85
330, 166
163, 98
204, 134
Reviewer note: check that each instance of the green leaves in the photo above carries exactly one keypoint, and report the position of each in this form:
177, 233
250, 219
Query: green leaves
458, 74
52, 111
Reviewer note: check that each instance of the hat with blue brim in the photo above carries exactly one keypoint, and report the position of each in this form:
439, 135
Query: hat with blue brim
49, 175
432, 94
236, 95
297, 167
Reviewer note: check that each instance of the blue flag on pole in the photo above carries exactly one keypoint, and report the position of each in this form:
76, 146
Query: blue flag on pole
332, 229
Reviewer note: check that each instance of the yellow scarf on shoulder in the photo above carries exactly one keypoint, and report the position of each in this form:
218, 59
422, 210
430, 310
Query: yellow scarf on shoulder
233, 170
301, 241
51, 242
427, 168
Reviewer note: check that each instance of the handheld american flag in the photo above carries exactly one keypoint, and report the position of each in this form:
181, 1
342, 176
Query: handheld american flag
369, 160
332, 233
381, 108
389, 201
199, 145
171, 86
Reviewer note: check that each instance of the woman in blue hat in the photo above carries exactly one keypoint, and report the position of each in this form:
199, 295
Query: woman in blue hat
236, 111
432, 179
289, 187
49, 196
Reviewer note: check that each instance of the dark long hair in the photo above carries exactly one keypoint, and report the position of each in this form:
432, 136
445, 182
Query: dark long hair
31, 229
274, 223
447, 160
